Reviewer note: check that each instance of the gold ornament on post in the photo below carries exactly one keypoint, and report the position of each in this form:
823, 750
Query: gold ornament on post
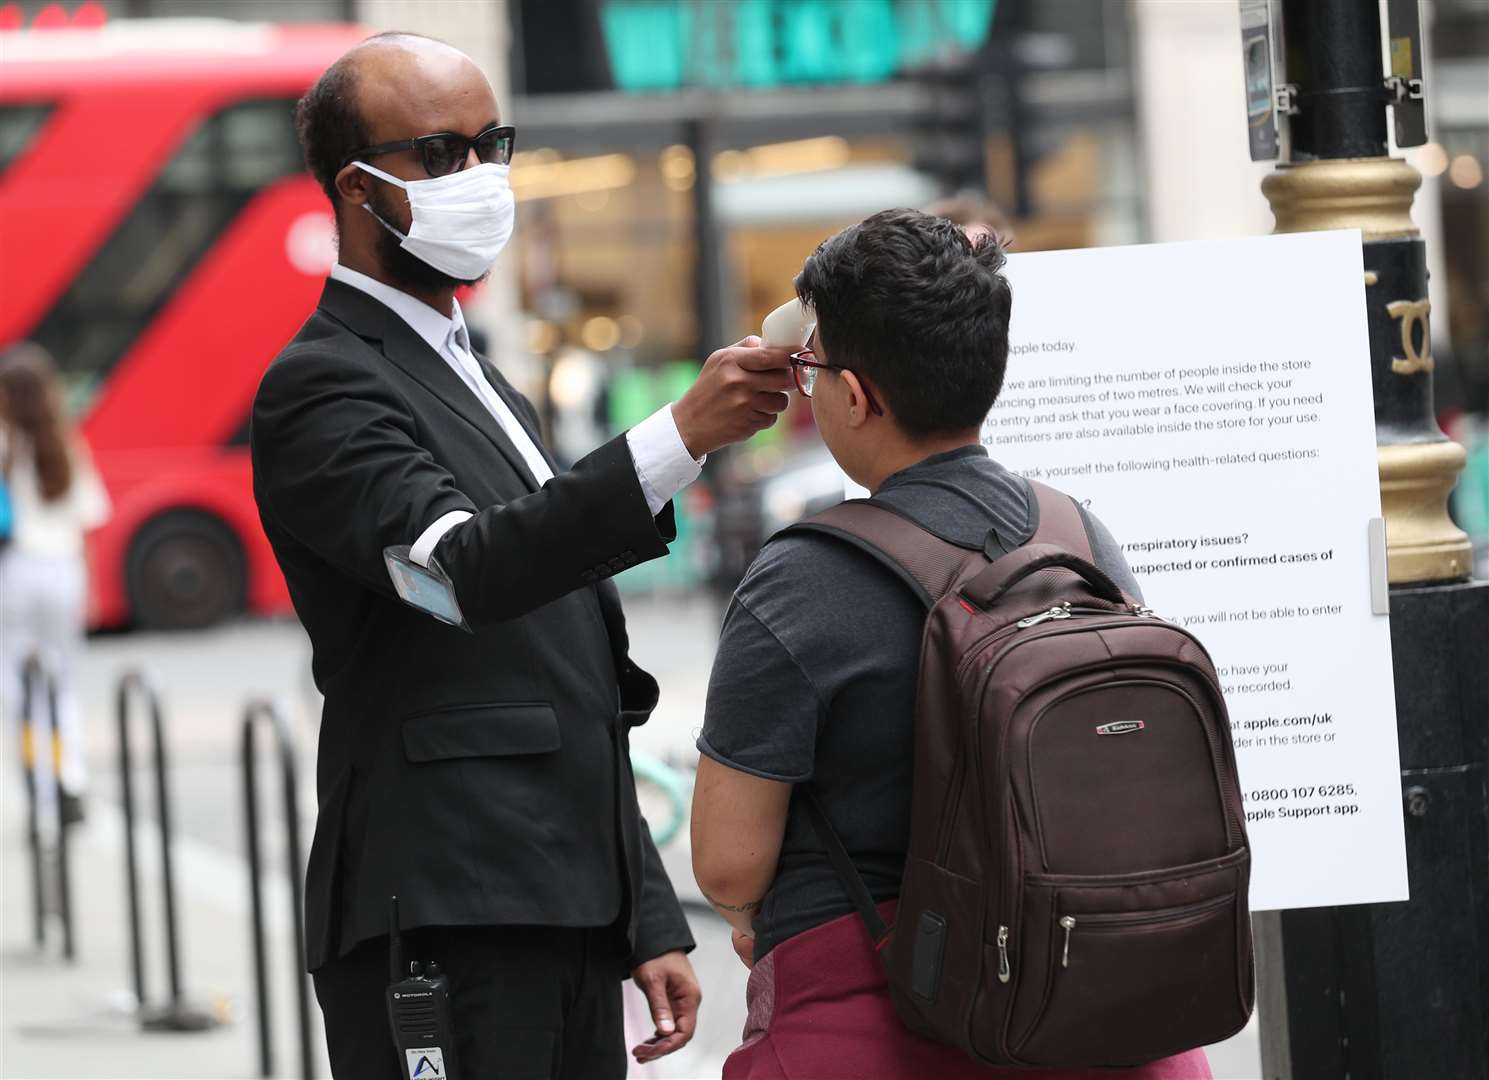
1419, 466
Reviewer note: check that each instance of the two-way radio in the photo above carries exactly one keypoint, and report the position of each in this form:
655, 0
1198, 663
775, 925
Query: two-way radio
419, 1012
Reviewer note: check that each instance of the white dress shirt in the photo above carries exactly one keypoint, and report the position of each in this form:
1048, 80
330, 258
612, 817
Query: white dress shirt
663, 465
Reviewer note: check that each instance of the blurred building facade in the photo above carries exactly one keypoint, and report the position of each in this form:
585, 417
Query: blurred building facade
678, 159
1105, 122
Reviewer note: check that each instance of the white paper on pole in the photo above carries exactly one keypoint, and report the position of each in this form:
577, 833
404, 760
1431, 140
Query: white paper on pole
1212, 404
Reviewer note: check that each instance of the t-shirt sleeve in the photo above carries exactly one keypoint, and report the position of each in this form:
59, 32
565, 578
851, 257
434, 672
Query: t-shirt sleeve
762, 712
1108, 555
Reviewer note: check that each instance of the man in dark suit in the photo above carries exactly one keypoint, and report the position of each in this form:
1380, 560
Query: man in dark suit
481, 774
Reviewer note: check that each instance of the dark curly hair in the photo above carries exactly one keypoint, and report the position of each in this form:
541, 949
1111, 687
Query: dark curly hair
327, 122
908, 301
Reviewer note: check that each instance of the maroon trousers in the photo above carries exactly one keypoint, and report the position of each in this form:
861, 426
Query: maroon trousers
819, 1009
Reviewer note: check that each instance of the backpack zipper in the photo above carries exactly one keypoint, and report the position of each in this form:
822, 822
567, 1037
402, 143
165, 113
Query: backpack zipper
1005, 972
1065, 611
1007, 629
1139, 918
1060, 611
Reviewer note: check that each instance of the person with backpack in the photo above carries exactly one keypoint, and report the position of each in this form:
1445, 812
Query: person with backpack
55, 497
969, 807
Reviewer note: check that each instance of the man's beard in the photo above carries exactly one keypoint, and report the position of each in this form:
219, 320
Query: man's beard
407, 271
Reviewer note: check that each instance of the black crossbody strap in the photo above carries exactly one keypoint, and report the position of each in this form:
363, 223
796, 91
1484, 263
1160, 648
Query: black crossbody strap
852, 880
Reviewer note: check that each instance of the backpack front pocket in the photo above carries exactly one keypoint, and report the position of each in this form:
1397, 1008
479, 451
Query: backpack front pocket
1082, 1009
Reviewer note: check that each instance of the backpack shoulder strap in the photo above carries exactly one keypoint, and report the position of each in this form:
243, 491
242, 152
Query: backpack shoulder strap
847, 873
1058, 520
929, 565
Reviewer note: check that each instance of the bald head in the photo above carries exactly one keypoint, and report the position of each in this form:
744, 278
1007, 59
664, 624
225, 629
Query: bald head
405, 86
391, 87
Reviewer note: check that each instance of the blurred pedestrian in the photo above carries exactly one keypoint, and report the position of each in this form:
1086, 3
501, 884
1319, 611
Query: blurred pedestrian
474, 752
55, 499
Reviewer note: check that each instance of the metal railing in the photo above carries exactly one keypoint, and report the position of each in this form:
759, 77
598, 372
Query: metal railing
176, 1014
256, 712
34, 677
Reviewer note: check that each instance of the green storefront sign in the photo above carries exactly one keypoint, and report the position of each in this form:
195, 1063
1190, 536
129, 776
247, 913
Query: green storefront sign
666, 45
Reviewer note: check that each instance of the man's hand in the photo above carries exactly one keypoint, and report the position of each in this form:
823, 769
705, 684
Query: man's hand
744, 948
672, 990
740, 391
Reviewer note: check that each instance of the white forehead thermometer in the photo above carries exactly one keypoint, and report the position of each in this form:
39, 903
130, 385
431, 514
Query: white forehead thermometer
788, 326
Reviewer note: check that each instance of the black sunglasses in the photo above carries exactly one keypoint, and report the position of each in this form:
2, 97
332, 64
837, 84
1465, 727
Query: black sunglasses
446, 152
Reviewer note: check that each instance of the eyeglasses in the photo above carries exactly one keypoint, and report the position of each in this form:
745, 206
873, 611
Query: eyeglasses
805, 365
446, 152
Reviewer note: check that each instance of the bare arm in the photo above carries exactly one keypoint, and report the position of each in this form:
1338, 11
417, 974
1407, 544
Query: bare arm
739, 821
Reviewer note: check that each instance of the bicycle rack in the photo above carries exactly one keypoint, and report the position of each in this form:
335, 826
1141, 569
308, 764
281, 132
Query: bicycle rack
34, 674
256, 711
177, 1015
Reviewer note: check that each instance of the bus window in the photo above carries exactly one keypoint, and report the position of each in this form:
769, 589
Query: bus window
18, 123
193, 200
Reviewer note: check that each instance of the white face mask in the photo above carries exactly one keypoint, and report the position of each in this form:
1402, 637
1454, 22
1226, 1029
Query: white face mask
460, 221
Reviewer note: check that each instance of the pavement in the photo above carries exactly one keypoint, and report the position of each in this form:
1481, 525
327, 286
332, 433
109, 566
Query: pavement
61, 1020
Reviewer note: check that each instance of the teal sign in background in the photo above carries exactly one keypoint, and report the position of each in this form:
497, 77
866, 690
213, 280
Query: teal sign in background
662, 45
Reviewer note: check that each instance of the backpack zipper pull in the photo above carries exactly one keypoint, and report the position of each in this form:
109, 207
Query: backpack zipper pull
1068, 923
1062, 611
1143, 611
1004, 971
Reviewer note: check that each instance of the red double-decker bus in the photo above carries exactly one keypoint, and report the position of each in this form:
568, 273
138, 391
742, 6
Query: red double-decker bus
160, 237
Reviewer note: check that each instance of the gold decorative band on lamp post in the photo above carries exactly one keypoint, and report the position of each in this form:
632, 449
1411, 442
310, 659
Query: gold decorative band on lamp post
1419, 466
1422, 543
1370, 194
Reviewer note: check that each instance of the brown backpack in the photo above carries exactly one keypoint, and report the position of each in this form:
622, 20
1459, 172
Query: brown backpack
1075, 888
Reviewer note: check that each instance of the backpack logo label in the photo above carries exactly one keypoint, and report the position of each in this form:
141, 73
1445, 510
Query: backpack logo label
1120, 727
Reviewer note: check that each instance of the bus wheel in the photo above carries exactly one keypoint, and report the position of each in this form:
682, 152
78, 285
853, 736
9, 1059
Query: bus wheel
185, 571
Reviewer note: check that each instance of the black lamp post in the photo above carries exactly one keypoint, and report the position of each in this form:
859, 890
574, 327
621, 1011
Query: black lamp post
1397, 991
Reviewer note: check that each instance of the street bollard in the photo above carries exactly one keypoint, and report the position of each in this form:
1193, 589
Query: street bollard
176, 1015
34, 674
284, 742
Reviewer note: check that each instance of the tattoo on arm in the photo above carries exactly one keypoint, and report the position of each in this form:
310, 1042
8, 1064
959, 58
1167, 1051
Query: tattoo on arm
751, 905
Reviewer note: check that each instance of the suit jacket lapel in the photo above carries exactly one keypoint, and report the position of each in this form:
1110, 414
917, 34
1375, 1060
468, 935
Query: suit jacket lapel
508, 393
606, 594
369, 318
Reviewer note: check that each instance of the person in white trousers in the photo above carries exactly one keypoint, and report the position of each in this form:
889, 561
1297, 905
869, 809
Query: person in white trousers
56, 498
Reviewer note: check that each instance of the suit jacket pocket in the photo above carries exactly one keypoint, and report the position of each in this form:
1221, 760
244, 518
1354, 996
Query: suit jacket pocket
492, 730
638, 695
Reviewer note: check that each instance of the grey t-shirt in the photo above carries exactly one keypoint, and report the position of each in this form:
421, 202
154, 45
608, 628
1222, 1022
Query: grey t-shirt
816, 674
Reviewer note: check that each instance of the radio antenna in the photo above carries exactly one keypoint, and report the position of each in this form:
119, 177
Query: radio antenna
395, 942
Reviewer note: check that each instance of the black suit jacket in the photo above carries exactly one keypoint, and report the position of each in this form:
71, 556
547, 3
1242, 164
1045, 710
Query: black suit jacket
484, 778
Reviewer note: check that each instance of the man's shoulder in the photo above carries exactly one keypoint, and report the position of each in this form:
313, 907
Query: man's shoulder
794, 552
322, 349
324, 340
802, 576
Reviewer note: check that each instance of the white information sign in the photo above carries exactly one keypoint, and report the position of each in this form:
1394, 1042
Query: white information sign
1212, 401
